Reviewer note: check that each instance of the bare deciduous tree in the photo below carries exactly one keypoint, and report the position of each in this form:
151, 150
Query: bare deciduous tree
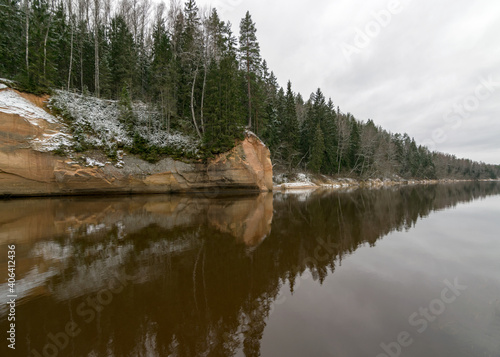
97, 24
72, 27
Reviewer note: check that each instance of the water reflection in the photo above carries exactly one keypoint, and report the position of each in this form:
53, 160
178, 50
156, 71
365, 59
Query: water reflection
188, 276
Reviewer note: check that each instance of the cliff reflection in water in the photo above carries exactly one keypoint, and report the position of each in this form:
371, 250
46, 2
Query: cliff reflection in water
203, 273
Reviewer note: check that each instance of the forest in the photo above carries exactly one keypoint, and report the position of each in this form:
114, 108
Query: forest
203, 81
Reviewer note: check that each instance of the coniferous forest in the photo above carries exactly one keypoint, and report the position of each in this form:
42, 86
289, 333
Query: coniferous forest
204, 81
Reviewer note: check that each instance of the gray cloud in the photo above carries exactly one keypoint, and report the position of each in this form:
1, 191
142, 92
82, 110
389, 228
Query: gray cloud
429, 57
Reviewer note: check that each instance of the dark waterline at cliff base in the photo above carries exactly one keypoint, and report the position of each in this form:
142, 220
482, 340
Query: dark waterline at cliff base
410, 271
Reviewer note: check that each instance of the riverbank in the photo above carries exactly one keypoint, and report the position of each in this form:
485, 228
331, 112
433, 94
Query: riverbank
39, 157
308, 181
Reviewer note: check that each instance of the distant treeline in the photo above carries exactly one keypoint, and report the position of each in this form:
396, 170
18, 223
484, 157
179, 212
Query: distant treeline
203, 81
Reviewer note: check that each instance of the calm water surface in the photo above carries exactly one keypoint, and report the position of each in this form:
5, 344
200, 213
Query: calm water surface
412, 271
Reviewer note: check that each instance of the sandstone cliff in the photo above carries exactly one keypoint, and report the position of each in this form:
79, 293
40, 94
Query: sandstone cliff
28, 167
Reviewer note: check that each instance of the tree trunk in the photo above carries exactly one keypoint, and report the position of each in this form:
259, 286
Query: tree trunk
97, 9
70, 52
45, 51
192, 103
27, 28
202, 99
46, 38
249, 97
168, 110
83, 6
249, 90
81, 64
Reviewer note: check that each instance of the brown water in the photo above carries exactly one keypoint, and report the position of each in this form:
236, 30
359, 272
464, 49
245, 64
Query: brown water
391, 272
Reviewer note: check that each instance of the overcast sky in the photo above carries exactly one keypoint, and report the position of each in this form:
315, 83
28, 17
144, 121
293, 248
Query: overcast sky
430, 68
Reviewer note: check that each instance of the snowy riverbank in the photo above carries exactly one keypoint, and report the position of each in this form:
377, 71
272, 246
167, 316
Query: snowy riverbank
307, 181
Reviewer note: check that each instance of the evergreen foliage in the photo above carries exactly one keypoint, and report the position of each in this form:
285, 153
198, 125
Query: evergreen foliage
200, 81
318, 150
250, 61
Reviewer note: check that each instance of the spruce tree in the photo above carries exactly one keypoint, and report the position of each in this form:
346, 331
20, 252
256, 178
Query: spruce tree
62, 42
223, 104
11, 40
329, 127
162, 73
122, 56
40, 69
354, 145
279, 142
317, 152
127, 115
315, 114
270, 115
250, 61
290, 126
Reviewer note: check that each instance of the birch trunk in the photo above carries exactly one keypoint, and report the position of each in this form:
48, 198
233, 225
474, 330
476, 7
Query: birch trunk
192, 103
70, 54
27, 28
202, 99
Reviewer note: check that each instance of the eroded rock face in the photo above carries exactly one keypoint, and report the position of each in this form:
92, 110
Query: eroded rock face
27, 169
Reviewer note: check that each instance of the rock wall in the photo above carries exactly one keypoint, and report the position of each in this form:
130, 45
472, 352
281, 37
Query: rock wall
26, 170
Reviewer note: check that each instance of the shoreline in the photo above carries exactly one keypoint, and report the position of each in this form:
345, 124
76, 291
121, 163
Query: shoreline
333, 184
346, 183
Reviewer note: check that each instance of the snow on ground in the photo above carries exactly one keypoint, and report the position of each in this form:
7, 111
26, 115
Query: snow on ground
251, 133
95, 119
51, 142
305, 182
298, 184
12, 103
301, 181
5, 80
99, 123
93, 162
96, 122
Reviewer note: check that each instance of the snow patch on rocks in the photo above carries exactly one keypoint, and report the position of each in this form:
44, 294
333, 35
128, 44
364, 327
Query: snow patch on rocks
52, 142
93, 162
55, 134
13, 103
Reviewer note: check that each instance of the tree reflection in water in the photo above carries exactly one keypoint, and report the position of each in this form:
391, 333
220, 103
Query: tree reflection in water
204, 272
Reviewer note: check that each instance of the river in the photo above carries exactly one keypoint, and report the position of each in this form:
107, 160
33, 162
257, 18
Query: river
407, 271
